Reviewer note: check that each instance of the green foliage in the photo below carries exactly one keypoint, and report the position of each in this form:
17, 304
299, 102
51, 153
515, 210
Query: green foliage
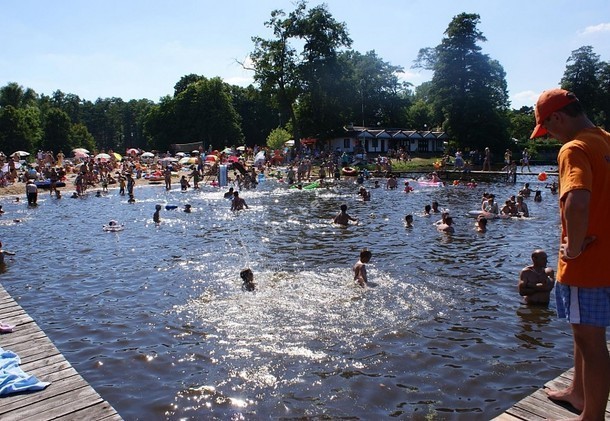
14, 95
57, 128
419, 115
259, 115
468, 89
522, 123
277, 138
589, 78
19, 128
79, 137
202, 112
306, 85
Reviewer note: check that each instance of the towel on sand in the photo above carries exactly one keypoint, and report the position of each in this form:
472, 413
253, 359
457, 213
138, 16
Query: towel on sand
13, 379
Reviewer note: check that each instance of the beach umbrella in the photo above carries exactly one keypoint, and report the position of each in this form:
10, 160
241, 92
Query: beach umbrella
21, 153
81, 155
102, 156
5, 167
260, 157
180, 154
195, 152
82, 150
228, 151
289, 143
132, 151
241, 148
169, 159
187, 160
211, 158
148, 155
117, 156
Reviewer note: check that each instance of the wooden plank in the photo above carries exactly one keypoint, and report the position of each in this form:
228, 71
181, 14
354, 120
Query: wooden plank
68, 397
538, 406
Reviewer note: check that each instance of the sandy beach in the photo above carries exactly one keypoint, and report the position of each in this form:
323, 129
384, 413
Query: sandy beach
18, 188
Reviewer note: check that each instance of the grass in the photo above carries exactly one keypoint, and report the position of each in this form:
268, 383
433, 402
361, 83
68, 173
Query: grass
415, 164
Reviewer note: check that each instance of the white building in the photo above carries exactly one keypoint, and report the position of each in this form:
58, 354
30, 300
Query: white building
376, 140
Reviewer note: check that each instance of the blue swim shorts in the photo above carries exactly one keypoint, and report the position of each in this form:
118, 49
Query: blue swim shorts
587, 306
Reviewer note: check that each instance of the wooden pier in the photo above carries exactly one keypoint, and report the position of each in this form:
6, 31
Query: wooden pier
68, 396
538, 406
478, 176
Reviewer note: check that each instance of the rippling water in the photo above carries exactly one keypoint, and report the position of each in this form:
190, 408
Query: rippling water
154, 317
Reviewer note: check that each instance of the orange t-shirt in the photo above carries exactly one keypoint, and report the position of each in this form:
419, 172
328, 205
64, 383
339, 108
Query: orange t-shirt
584, 164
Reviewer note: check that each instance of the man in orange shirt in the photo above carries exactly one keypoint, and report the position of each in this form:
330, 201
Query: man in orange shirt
583, 281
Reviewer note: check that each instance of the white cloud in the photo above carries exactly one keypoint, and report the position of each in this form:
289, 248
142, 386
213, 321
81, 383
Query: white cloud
524, 99
595, 29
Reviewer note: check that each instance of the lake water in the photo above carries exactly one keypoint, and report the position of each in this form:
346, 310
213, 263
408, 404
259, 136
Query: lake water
155, 319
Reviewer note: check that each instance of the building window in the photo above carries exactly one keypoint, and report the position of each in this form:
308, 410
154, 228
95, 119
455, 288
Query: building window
375, 143
422, 145
346, 144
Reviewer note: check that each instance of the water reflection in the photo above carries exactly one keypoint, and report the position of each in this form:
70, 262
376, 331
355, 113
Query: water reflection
154, 317
534, 321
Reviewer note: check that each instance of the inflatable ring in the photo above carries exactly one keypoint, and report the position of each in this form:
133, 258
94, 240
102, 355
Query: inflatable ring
349, 171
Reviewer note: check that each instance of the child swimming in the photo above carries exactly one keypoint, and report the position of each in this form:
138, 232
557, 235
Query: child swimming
360, 267
248, 277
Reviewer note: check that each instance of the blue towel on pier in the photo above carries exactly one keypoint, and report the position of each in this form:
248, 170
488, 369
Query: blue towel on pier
13, 379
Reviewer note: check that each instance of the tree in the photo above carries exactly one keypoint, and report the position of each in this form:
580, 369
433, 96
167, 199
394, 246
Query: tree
419, 115
56, 131
161, 124
468, 89
258, 115
202, 112
580, 75
311, 78
319, 108
13, 94
604, 88
184, 82
79, 137
589, 78
522, 122
375, 95
277, 138
19, 128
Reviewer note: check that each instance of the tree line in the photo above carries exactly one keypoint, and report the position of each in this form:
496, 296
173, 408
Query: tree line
309, 82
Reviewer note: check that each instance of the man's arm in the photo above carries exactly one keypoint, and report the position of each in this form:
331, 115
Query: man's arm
525, 287
576, 213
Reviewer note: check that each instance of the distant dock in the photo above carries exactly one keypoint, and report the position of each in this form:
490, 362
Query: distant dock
68, 396
478, 176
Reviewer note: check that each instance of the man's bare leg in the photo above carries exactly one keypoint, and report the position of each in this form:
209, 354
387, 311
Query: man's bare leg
573, 394
589, 390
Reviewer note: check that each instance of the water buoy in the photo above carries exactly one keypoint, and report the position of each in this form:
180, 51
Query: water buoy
542, 176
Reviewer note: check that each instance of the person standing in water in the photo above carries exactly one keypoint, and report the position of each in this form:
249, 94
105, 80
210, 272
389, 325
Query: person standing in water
157, 215
360, 268
343, 217
537, 280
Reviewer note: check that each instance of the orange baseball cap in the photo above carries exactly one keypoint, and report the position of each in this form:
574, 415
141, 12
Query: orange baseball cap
549, 102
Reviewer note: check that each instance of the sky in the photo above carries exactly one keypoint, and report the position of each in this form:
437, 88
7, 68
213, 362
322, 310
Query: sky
136, 49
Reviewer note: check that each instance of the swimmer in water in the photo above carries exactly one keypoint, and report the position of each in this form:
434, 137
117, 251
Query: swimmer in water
360, 268
409, 221
481, 224
343, 217
157, 215
446, 227
248, 279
